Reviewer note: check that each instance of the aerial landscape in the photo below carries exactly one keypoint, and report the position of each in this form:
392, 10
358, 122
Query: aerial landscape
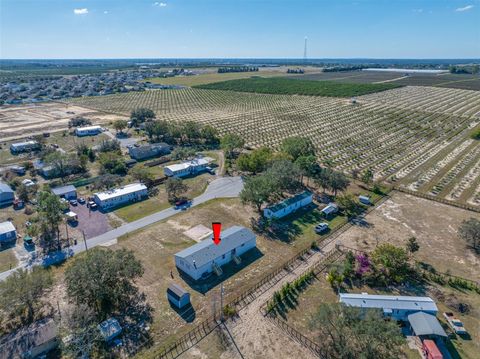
252, 179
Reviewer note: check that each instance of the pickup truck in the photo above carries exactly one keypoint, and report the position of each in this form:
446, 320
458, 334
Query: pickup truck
454, 323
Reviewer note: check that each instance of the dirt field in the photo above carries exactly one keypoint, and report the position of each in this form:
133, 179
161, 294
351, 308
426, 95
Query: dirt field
433, 224
24, 120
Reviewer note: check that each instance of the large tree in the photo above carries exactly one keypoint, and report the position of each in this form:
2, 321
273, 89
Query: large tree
286, 176
338, 182
298, 146
231, 143
469, 231
348, 332
21, 294
143, 174
103, 280
175, 187
50, 213
257, 190
256, 161
391, 263
141, 115
120, 125
308, 165
113, 163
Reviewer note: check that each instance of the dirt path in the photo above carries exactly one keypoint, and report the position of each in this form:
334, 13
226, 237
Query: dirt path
392, 80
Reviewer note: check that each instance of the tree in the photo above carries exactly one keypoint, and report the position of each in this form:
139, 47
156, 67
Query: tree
323, 178
183, 153
231, 143
349, 332
109, 146
175, 188
107, 181
285, 175
210, 135
469, 231
367, 176
391, 263
256, 161
257, 190
141, 115
308, 165
21, 293
412, 245
338, 182
120, 125
348, 203
79, 122
142, 174
60, 162
297, 146
50, 210
113, 163
103, 280
22, 193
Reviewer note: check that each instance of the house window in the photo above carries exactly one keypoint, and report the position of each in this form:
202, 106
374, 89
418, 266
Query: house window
223, 257
242, 244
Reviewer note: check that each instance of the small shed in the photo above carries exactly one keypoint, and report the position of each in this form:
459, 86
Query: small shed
178, 296
8, 232
330, 210
110, 329
426, 325
67, 192
364, 200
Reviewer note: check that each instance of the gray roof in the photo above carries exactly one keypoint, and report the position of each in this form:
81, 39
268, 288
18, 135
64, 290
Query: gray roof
206, 251
426, 324
331, 208
149, 150
6, 227
60, 191
289, 201
389, 302
110, 328
176, 291
17, 344
5, 188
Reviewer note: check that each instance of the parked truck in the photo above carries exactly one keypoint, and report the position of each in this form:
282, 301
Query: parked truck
454, 323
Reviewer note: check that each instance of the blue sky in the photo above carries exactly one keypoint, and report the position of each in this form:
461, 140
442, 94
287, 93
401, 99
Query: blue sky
239, 28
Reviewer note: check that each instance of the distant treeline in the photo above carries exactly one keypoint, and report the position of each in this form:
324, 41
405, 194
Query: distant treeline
344, 68
465, 69
295, 71
222, 70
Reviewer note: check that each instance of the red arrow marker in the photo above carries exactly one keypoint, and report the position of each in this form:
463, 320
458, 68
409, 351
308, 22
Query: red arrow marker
216, 227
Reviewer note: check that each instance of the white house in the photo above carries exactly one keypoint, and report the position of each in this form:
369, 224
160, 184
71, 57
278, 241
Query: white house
88, 131
289, 205
393, 306
7, 196
206, 257
8, 232
187, 168
67, 192
26, 146
115, 197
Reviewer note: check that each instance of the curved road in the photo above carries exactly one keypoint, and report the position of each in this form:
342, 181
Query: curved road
223, 187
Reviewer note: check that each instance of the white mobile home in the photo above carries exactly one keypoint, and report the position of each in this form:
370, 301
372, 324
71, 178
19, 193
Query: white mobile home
26, 146
206, 257
392, 306
88, 131
8, 232
187, 168
7, 196
289, 205
115, 197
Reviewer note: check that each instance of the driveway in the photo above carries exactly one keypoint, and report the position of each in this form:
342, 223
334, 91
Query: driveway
124, 141
92, 223
224, 187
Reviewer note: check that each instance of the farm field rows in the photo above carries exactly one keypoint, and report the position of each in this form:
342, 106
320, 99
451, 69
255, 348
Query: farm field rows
402, 134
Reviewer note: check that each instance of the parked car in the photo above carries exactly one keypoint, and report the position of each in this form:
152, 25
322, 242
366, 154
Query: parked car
181, 203
454, 323
91, 205
73, 202
81, 200
210, 170
321, 228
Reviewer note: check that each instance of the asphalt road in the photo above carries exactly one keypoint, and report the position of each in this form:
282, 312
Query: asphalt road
223, 187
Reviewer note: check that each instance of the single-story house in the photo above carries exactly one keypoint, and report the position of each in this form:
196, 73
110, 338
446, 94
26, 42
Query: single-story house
19, 170
392, 306
149, 151
67, 192
26, 146
206, 257
30, 342
330, 210
8, 233
364, 200
110, 329
88, 131
7, 196
178, 296
115, 197
289, 205
426, 325
187, 168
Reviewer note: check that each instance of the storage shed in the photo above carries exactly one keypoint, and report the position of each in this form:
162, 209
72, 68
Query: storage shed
364, 200
26, 146
330, 210
8, 233
289, 205
67, 192
205, 257
7, 196
178, 296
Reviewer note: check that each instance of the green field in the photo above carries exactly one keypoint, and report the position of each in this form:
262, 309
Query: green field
284, 86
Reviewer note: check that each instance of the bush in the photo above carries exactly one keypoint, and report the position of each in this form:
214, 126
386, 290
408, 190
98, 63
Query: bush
229, 311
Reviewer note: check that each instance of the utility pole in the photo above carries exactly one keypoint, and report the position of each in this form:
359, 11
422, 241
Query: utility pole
305, 51
221, 302
84, 240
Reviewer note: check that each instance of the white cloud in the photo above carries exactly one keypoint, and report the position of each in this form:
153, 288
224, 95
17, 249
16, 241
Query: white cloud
105, 12
82, 11
159, 4
465, 8
418, 11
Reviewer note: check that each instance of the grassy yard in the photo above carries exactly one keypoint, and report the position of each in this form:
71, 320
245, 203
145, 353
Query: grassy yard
7, 259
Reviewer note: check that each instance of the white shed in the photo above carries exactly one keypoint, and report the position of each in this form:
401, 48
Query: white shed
8, 232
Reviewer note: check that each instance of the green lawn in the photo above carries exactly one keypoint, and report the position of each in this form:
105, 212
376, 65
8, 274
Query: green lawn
285, 86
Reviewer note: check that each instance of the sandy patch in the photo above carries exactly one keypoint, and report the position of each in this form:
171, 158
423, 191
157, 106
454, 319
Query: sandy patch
198, 232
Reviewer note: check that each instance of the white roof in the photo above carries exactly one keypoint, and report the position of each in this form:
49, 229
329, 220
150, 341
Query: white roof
88, 128
117, 192
71, 214
388, 302
6, 227
193, 163
26, 143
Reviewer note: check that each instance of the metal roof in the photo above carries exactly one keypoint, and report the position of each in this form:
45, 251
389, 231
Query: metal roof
6, 227
426, 324
389, 302
176, 291
331, 208
5, 188
60, 191
289, 201
23, 144
206, 251
149, 150
88, 128
193, 163
117, 192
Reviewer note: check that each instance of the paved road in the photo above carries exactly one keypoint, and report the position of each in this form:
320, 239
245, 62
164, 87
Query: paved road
223, 187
